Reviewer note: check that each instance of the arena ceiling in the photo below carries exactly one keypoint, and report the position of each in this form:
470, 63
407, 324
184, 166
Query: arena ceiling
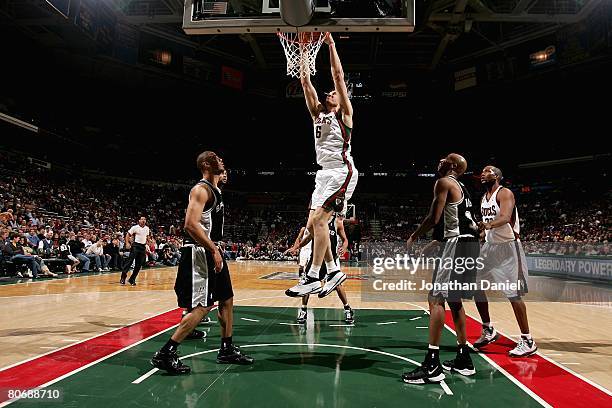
447, 31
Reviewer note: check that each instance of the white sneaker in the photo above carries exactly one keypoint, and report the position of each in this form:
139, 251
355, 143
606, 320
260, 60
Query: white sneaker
28, 274
488, 336
306, 286
523, 348
19, 275
334, 279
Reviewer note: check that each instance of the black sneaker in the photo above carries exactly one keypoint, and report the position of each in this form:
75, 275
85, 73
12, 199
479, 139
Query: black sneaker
196, 334
132, 283
206, 320
425, 374
349, 316
169, 362
122, 281
462, 365
233, 355
302, 316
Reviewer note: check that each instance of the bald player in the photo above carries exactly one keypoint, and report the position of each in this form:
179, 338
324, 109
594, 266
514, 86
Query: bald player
451, 205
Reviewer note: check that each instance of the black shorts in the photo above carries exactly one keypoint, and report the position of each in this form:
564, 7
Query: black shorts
197, 283
453, 269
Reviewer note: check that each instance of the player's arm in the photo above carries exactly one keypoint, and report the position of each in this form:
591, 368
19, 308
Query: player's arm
342, 235
296, 244
441, 189
310, 93
305, 241
505, 199
299, 237
338, 77
198, 198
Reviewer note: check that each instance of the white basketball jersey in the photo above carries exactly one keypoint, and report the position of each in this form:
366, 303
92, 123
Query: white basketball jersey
332, 140
490, 211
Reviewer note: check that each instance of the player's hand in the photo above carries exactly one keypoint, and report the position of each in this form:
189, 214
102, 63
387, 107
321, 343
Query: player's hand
342, 250
430, 248
409, 244
328, 39
481, 226
293, 250
218, 261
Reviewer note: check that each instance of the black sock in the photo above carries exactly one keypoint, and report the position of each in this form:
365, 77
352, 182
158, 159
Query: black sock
463, 350
226, 342
304, 307
347, 307
170, 347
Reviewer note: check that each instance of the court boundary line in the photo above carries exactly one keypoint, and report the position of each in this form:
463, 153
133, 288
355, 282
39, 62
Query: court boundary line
550, 360
503, 371
442, 384
60, 378
506, 374
84, 340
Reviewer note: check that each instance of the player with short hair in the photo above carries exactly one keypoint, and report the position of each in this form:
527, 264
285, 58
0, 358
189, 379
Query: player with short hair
504, 260
336, 181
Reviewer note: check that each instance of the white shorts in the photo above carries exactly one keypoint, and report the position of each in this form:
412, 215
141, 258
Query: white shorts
505, 263
334, 187
305, 253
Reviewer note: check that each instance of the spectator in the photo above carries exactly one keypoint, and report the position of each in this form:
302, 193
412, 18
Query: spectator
76, 250
96, 252
13, 251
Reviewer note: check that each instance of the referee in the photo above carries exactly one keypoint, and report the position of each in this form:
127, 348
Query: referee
139, 234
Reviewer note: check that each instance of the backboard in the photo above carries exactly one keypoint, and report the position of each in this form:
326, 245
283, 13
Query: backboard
263, 16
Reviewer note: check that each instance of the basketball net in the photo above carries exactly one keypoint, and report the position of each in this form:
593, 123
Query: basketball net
301, 50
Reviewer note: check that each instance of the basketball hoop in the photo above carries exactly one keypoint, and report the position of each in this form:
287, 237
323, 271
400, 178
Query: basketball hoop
301, 50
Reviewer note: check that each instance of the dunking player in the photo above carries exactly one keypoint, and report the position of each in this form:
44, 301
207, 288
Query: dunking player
336, 181
303, 243
504, 260
203, 275
452, 205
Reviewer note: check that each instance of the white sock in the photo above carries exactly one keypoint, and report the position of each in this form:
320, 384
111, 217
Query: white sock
331, 266
527, 336
432, 347
314, 271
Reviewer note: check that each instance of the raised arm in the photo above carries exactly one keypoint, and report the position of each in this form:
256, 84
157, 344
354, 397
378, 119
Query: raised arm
310, 93
338, 77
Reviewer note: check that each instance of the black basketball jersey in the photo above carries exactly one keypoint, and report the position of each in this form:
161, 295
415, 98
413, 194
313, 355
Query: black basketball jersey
333, 236
212, 216
459, 216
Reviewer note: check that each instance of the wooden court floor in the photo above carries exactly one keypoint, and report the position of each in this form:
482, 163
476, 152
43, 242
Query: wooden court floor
43, 316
